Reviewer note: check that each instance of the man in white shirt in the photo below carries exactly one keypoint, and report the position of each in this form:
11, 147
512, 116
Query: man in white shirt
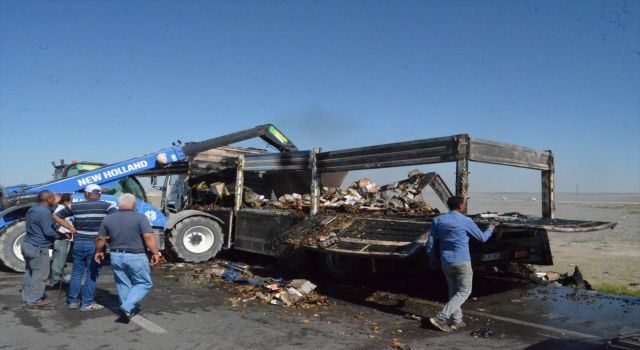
61, 246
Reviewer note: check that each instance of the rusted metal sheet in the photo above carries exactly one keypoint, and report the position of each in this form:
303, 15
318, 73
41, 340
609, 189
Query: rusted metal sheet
516, 220
218, 159
485, 151
462, 167
315, 182
298, 160
439, 187
360, 235
548, 190
427, 151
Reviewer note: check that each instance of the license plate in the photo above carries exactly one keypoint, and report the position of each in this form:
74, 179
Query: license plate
521, 254
490, 257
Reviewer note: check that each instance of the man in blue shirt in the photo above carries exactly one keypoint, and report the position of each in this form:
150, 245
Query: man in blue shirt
450, 235
87, 217
40, 236
130, 234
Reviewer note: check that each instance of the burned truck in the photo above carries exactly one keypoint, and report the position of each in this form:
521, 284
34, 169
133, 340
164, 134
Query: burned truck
291, 206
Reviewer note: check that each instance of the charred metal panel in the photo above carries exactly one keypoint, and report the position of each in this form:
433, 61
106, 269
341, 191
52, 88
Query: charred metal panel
298, 160
428, 151
360, 235
518, 245
519, 221
262, 131
439, 187
462, 167
548, 190
257, 229
485, 151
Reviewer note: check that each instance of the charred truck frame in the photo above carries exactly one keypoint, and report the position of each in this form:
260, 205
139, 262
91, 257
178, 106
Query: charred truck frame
342, 237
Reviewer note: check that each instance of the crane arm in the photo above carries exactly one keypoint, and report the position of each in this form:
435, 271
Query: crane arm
163, 158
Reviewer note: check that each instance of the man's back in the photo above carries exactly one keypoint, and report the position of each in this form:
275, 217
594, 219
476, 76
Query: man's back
39, 225
451, 231
125, 229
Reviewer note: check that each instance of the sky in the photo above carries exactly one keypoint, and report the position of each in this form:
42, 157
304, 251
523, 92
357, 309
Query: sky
108, 81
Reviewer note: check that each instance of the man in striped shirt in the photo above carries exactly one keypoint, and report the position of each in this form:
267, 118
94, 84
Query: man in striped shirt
87, 217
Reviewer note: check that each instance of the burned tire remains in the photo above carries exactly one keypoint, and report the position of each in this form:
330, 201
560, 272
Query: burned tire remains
10, 242
341, 267
196, 239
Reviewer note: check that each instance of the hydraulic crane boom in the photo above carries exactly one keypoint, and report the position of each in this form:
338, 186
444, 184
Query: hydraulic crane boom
163, 158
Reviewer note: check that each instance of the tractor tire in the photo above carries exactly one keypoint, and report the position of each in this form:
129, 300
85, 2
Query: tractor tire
196, 239
341, 267
10, 241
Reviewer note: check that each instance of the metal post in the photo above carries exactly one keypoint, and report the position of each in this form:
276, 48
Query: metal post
315, 182
462, 166
548, 190
238, 198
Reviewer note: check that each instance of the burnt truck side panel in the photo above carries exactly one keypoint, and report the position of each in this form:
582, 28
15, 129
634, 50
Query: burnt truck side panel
518, 238
269, 232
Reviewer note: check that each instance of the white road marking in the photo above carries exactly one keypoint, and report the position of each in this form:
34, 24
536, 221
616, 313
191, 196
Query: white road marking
564, 332
148, 325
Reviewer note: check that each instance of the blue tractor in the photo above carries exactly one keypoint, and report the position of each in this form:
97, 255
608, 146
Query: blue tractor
193, 235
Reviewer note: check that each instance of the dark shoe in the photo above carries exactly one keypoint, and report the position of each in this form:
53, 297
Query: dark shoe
125, 317
39, 304
457, 325
441, 325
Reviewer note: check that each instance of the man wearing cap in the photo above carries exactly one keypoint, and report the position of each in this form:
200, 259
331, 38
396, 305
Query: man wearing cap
87, 217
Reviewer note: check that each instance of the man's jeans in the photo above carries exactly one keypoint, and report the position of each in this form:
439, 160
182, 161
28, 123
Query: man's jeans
133, 278
459, 278
82, 254
58, 260
36, 272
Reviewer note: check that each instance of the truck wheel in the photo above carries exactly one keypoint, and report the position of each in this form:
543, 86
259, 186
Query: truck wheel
10, 242
341, 267
196, 239
292, 259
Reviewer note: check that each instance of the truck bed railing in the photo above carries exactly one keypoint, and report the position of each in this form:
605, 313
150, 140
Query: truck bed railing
456, 148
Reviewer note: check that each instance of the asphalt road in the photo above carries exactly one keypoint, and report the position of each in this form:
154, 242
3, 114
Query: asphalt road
179, 315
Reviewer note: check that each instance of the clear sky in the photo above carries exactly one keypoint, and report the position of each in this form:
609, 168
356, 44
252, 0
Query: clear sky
107, 81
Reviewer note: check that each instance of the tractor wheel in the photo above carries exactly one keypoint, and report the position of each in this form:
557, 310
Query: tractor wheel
196, 239
10, 242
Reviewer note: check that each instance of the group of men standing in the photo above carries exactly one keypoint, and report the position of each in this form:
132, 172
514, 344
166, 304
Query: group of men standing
55, 221
92, 222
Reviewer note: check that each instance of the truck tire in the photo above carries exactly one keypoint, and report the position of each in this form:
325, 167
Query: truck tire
341, 267
292, 259
10, 241
196, 239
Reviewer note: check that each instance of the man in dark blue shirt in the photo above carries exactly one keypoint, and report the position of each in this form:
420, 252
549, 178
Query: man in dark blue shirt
451, 233
129, 232
40, 236
87, 217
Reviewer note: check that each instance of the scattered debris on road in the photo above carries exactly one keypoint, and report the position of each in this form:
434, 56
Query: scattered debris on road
482, 332
397, 345
249, 286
